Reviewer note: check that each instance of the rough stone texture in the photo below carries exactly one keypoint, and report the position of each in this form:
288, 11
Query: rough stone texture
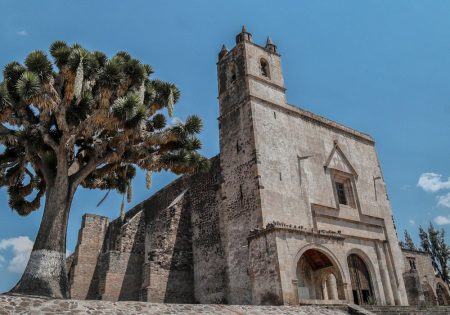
409, 310
265, 225
210, 273
119, 267
29, 305
169, 254
82, 263
422, 285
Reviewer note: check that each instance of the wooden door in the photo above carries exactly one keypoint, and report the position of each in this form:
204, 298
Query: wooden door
360, 278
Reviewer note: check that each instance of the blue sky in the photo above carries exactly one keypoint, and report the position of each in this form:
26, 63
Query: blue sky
379, 66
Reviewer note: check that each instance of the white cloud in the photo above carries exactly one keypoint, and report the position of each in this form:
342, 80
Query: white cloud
441, 220
444, 200
22, 33
432, 182
21, 248
412, 222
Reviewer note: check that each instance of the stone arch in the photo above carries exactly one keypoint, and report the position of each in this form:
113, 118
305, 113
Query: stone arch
442, 293
361, 279
231, 73
430, 297
316, 265
371, 268
264, 68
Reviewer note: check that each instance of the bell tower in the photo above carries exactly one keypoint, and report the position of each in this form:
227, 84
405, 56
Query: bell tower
247, 74
249, 70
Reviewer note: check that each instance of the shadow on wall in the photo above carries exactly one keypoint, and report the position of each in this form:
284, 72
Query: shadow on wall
180, 281
118, 272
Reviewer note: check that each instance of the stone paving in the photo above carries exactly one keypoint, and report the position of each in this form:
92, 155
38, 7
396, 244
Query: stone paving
32, 305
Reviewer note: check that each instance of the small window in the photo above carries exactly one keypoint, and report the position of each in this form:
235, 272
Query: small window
232, 73
264, 66
412, 263
341, 193
344, 190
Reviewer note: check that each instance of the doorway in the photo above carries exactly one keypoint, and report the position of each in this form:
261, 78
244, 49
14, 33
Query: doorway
360, 278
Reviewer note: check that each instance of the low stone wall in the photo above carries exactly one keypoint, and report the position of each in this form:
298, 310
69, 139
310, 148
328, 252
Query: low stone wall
409, 310
29, 305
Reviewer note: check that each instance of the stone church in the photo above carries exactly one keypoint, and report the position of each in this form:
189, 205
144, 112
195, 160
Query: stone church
293, 210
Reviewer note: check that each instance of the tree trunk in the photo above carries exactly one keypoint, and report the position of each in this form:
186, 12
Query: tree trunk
46, 273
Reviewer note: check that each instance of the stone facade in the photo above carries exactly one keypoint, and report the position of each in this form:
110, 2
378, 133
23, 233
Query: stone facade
423, 287
293, 210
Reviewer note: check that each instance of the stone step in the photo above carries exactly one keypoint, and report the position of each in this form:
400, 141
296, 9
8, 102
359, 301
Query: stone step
409, 310
10, 304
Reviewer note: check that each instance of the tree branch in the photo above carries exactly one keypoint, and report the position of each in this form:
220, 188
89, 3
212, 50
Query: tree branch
48, 140
78, 177
43, 167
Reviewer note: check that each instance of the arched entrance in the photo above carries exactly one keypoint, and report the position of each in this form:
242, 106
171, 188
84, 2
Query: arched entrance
360, 278
318, 277
442, 295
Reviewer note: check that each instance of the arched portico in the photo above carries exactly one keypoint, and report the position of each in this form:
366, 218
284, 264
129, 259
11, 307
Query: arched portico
319, 276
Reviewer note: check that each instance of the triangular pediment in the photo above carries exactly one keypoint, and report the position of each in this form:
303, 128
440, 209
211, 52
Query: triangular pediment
338, 161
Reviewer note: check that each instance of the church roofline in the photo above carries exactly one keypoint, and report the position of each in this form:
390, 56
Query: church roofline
330, 123
130, 213
416, 251
307, 115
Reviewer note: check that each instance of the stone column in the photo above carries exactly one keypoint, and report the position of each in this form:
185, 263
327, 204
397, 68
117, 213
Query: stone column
392, 276
325, 289
295, 295
332, 287
384, 275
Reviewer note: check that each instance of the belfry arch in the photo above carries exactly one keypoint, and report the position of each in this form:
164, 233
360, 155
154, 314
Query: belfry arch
319, 277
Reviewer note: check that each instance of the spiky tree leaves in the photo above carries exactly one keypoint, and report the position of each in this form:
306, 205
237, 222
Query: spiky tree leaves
38, 63
82, 120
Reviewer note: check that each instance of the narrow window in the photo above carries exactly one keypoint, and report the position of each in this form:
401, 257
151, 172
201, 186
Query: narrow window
264, 66
280, 176
344, 187
231, 73
233, 76
275, 115
412, 263
341, 193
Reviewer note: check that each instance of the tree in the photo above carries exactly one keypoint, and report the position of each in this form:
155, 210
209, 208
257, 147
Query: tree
84, 120
408, 243
433, 242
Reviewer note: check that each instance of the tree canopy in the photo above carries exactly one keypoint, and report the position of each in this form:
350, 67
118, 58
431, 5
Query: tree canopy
408, 242
433, 242
90, 118
82, 120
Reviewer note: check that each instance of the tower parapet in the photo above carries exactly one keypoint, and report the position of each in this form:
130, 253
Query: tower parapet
243, 36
